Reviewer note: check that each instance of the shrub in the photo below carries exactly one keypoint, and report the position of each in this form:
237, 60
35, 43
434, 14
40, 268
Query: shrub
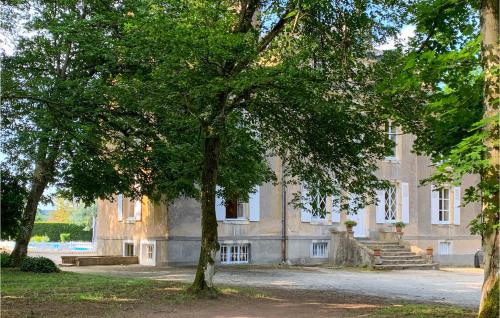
54, 230
400, 224
38, 265
350, 223
5, 260
40, 238
65, 237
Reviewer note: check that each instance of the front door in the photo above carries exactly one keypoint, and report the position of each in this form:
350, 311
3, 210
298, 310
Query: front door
359, 229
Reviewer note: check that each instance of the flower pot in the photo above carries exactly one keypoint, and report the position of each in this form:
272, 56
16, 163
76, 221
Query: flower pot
349, 228
430, 251
376, 252
399, 229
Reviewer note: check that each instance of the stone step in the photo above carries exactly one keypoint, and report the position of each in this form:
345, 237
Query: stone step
392, 253
384, 246
378, 242
395, 249
402, 261
407, 266
401, 257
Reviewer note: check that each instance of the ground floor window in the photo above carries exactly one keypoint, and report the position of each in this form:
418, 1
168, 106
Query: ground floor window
234, 253
149, 251
319, 249
128, 249
444, 248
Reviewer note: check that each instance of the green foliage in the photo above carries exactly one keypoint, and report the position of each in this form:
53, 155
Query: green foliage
435, 90
83, 215
400, 224
13, 196
5, 260
54, 231
40, 238
65, 237
197, 71
350, 223
38, 265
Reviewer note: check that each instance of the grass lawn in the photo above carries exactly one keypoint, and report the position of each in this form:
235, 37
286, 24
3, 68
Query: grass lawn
68, 294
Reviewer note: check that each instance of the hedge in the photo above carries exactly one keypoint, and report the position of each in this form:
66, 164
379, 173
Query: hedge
54, 230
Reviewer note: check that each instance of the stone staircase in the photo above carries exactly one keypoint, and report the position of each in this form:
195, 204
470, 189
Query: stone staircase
396, 256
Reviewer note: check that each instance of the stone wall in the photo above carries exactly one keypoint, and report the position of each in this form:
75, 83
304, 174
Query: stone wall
345, 250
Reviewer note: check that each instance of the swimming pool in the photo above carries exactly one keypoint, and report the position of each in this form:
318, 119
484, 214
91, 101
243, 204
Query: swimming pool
53, 246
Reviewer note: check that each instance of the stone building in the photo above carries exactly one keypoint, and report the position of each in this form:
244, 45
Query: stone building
268, 229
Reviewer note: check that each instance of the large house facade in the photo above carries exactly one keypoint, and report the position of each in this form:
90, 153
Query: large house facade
269, 229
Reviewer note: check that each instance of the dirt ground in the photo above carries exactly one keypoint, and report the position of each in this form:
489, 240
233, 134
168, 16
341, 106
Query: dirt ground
272, 303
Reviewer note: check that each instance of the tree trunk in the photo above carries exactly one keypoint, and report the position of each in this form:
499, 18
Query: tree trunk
209, 244
490, 59
43, 173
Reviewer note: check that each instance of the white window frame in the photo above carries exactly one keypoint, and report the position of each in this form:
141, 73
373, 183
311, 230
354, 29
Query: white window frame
449, 248
320, 218
317, 242
395, 203
242, 252
125, 242
441, 201
147, 261
393, 136
244, 219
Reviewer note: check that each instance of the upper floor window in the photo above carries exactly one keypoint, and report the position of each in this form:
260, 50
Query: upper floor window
444, 205
235, 209
390, 129
318, 205
390, 203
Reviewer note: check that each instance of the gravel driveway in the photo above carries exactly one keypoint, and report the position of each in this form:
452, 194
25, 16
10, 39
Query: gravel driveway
457, 286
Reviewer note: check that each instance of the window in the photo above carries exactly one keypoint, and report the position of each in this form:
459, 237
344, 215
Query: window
234, 253
390, 203
319, 207
444, 248
128, 249
391, 135
235, 209
444, 205
319, 249
149, 251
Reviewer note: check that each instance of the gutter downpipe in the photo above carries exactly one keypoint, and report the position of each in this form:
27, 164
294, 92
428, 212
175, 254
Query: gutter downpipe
283, 218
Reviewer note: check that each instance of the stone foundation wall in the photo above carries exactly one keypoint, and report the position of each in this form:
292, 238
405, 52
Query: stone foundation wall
345, 250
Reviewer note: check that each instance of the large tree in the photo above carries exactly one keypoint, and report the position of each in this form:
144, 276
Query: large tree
445, 90
223, 85
54, 110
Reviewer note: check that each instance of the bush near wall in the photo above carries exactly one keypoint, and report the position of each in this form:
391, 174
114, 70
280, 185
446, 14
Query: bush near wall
54, 230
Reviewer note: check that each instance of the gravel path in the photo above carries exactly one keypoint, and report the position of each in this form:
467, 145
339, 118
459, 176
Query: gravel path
456, 286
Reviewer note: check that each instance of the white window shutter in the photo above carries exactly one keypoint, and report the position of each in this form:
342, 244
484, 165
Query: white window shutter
138, 209
220, 208
119, 201
456, 205
254, 203
336, 209
380, 207
405, 203
305, 213
434, 205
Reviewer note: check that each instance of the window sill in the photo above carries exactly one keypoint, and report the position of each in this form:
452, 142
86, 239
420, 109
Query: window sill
236, 221
130, 221
391, 160
315, 257
319, 222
